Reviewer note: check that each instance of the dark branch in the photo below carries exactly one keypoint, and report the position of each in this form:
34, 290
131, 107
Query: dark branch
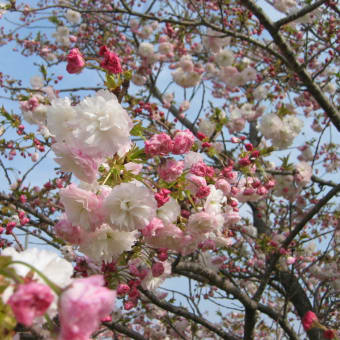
188, 315
293, 64
302, 12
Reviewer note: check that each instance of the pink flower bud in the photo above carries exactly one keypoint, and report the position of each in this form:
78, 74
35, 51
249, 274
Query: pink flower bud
162, 197
129, 305
308, 320
162, 255
35, 157
122, 289
235, 140
157, 269
75, 61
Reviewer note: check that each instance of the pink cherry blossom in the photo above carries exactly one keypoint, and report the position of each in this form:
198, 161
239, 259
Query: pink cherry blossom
159, 145
170, 170
201, 169
69, 232
82, 207
183, 142
29, 301
162, 197
75, 61
76, 160
157, 269
111, 61
308, 319
82, 306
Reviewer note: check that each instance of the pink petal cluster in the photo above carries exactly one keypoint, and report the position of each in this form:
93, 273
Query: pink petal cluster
202, 222
162, 144
223, 185
151, 229
194, 183
168, 236
201, 169
82, 306
162, 197
157, 269
308, 319
75, 61
29, 301
30, 105
170, 170
159, 145
183, 142
76, 160
69, 232
82, 207
111, 61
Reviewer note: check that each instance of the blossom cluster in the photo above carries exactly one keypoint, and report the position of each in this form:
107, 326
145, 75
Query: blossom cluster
80, 303
164, 197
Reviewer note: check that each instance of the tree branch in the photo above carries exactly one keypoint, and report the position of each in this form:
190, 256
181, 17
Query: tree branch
183, 312
302, 12
42, 217
124, 330
204, 275
293, 64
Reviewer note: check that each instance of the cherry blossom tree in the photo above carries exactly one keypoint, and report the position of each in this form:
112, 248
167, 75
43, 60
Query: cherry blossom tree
194, 190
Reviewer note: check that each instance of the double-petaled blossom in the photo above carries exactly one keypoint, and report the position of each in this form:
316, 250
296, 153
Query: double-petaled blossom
97, 127
159, 145
74, 159
280, 131
82, 306
69, 232
169, 236
105, 244
183, 142
169, 211
29, 301
73, 17
129, 207
82, 207
75, 61
203, 222
170, 170
110, 61
101, 125
201, 169
55, 268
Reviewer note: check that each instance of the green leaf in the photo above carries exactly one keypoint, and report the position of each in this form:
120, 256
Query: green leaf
137, 130
43, 71
267, 151
7, 322
283, 111
5, 261
54, 20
